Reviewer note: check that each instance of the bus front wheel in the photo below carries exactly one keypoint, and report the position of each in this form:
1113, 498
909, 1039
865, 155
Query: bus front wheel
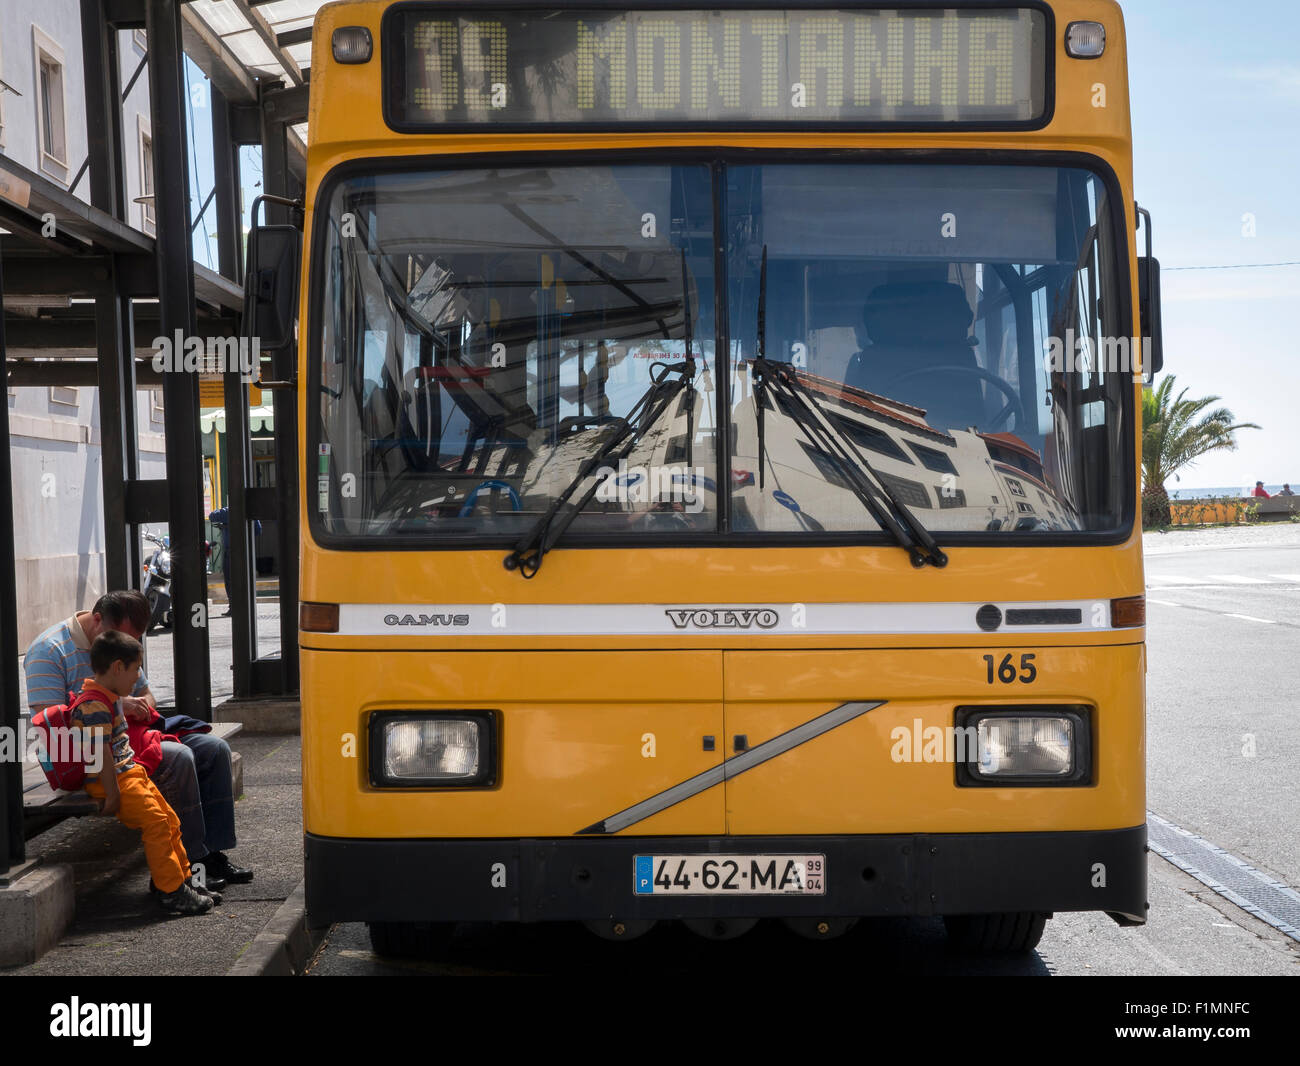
410, 940
996, 933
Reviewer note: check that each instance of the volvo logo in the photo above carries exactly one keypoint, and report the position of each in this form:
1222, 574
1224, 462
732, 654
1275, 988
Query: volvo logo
723, 617
426, 619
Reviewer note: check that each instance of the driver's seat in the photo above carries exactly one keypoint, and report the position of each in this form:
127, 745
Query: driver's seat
915, 327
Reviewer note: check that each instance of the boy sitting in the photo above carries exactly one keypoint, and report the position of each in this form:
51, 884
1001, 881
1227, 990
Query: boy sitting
126, 791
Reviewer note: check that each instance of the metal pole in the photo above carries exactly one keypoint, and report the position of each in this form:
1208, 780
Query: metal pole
119, 450
275, 178
99, 61
12, 850
243, 599
181, 390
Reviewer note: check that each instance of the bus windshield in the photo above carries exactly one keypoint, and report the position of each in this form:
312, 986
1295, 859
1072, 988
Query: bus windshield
480, 333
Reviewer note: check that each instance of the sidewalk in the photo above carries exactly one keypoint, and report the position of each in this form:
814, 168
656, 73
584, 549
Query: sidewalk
120, 930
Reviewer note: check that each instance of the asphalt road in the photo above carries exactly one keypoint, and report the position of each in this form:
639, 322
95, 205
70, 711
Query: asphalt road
1224, 747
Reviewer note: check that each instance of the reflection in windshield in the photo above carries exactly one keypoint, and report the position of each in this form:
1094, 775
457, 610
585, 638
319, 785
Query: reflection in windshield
485, 332
919, 302
503, 323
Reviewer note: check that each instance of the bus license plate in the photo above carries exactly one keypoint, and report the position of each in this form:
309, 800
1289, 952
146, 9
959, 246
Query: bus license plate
729, 875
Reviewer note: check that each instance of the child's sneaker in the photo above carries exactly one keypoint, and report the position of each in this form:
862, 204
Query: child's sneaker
202, 890
185, 901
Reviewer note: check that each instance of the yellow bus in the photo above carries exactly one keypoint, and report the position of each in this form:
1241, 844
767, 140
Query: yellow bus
720, 496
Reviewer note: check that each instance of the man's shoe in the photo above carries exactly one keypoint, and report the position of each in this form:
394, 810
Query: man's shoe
185, 901
211, 879
216, 865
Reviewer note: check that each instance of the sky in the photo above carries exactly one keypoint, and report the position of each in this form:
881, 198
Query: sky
1216, 136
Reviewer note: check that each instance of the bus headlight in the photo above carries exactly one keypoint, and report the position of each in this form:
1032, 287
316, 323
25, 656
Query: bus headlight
412, 749
1025, 746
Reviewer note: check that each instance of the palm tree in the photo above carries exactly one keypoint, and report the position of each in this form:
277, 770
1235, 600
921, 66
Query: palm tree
1175, 433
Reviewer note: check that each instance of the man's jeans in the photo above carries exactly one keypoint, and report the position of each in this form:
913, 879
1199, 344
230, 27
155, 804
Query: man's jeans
194, 777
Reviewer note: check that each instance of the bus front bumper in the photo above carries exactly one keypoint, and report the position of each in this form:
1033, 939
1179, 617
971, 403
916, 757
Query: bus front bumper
580, 879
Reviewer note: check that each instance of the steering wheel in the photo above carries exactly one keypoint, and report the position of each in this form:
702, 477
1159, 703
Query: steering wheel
1013, 406
471, 501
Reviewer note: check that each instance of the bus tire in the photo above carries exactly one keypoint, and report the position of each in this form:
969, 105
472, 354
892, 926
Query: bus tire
410, 940
1013, 933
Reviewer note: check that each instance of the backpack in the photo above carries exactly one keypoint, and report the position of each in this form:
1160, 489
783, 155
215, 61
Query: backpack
64, 761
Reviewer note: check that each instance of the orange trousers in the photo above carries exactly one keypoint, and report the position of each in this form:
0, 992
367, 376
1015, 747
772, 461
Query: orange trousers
144, 808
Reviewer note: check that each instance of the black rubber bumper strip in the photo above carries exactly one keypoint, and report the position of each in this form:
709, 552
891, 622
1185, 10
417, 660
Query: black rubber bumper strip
586, 878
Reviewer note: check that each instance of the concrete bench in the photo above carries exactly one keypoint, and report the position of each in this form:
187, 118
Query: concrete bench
44, 806
1277, 509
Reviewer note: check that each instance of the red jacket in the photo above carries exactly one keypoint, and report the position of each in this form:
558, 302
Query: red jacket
1259, 492
146, 742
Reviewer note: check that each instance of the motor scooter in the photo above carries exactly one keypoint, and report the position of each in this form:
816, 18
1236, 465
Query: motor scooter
158, 581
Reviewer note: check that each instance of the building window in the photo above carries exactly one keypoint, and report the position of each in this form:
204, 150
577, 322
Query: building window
872, 439
140, 40
933, 459
1016, 488
50, 116
828, 467
155, 405
911, 493
64, 395
678, 450
1024, 508
147, 214
950, 497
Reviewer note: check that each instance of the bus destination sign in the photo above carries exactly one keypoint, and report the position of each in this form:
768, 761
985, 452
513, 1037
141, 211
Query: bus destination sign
904, 67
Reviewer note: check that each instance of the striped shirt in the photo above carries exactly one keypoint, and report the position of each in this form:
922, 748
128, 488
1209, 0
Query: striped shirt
57, 662
103, 718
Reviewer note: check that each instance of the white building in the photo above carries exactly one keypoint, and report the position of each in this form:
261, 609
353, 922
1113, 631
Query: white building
58, 489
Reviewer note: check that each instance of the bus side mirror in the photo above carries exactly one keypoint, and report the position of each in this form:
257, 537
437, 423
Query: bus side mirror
271, 289
1149, 300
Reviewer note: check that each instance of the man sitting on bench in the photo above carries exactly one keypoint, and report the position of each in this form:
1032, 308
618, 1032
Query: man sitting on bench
194, 774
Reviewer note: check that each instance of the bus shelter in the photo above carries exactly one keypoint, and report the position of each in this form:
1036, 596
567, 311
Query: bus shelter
83, 283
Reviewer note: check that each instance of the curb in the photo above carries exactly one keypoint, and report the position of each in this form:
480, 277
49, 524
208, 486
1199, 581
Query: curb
285, 944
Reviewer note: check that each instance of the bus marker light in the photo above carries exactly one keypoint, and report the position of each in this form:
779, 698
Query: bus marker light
318, 617
352, 44
1085, 40
1128, 613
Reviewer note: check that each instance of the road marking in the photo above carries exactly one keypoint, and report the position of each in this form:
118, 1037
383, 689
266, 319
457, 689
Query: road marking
1178, 579
1252, 618
1232, 579
1286, 577
1163, 603
1230, 877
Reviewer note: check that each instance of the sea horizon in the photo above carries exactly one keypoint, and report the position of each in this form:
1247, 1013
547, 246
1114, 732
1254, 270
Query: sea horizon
1181, 493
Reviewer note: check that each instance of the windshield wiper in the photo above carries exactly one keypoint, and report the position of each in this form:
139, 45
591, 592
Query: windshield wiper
828, 436
690, 380
662, 393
